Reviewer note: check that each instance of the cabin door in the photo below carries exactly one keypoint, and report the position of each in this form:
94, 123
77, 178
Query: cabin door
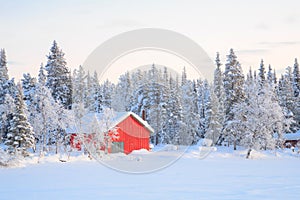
117, 147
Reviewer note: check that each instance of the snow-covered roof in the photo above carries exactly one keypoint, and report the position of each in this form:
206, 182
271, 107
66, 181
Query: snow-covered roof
84, 125
292, 136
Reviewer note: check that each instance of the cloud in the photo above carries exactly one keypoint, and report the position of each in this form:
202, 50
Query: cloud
14, 63
117, 23
292, 19
252, 51
279, 44
262, 26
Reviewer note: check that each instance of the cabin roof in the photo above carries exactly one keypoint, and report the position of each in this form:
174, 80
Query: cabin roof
292, 136
85, 125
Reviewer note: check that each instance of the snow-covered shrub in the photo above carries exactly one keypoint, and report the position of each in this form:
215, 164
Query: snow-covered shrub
9, 160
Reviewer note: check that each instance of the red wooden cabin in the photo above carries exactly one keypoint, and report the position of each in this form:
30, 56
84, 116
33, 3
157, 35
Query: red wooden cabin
133, 133
292, 139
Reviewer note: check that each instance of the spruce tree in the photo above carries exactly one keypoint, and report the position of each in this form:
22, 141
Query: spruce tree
123, 94
58, 77
79, 86
4, 79
5, 83
234, 93
20, 136
217, 99
28, 85
286, 97
262, 72
216, 119
296, 78
107, 89
175, 115
3, 66
191, 118
88, 93
41, 76
97, 96
296, 87
233, 83
271, 76
218, 79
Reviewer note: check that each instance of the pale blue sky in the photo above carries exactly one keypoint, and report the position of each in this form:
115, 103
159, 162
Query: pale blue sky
255, 29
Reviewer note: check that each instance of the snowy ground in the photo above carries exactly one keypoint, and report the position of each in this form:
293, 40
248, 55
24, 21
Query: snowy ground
221, 175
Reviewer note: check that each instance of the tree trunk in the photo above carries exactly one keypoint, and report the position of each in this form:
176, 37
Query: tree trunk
56, 147
156, 139
248, 153
234, 145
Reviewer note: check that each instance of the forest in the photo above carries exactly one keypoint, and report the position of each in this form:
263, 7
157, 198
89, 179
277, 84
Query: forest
252, 110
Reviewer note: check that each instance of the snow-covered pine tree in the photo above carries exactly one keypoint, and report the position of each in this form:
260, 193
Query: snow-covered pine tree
271, 76
216, 119
201, 107
275, 77
7, 87
249, 82
190, 123
234, 94
219, 92
206, 105
259, 120
79, 85
96, 94
163, 104
183, 76
218, 61
296, 78
249, 76
44, 117
140, 100
41, 76
7, 108
58, 77
28, 85
3, 84
107, 89
20, 136
296, 87
3, 65
64, 119
122, 96
262, 72
79, 93
88, 96
286, 95
233, 83
3, 76
174, 112
156, 112
218, 79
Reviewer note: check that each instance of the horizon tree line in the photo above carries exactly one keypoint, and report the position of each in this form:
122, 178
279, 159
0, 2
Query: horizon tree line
253, 111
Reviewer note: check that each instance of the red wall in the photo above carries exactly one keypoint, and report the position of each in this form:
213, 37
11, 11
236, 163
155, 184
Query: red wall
134, 135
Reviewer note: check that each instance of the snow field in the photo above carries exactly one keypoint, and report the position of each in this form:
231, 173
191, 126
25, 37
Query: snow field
221, 175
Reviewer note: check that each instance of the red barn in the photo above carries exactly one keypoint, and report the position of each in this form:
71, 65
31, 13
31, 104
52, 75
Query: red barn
133, 133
